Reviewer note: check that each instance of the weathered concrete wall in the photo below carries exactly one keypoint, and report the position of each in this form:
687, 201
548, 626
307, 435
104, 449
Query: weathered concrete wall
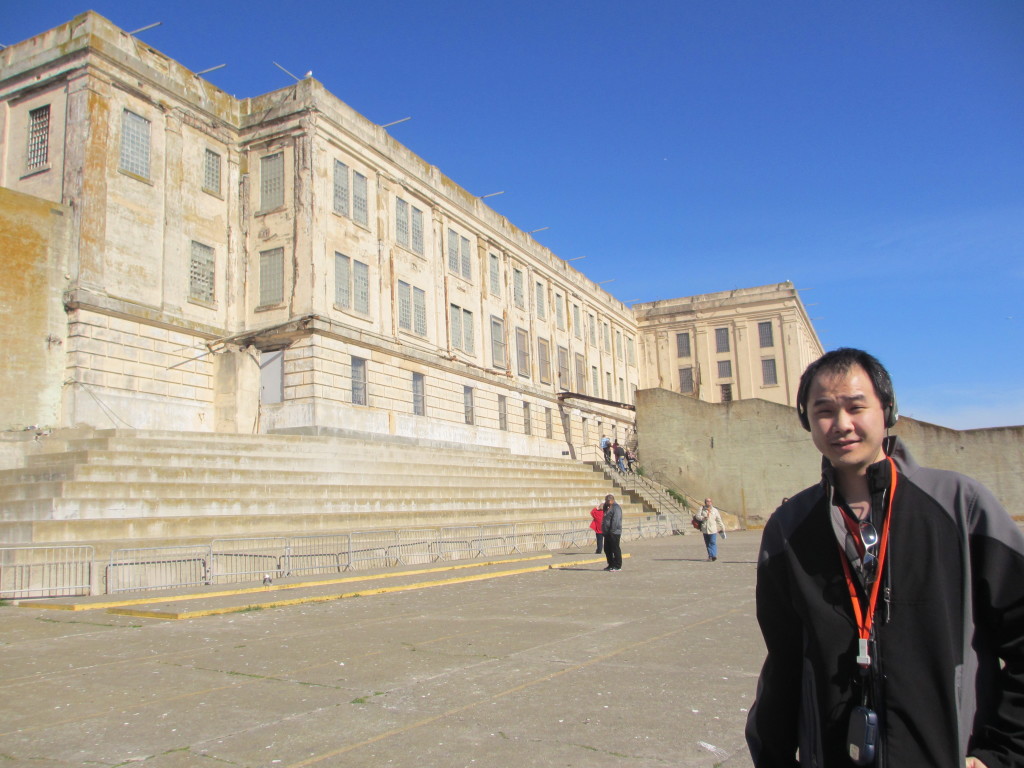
748, 455
33, 253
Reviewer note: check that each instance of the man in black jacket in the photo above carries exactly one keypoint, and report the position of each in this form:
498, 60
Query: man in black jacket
611, 525
890, 597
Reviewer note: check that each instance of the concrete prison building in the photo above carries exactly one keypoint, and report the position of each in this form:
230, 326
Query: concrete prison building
176, 258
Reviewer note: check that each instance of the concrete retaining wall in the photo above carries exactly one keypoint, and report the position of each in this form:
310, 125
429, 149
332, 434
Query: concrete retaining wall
748, 455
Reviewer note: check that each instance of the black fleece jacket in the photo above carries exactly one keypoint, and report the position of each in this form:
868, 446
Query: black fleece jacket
949, 675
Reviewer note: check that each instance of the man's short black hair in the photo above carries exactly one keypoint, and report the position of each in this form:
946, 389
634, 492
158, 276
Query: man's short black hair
841, 361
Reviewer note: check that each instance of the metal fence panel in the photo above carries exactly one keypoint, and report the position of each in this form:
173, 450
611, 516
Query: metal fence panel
236, 560
415, 547
45, 571
372, 549
158, 568
318, 554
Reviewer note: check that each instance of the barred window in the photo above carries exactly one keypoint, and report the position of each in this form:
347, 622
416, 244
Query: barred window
577, 321
581, 374
527, 419
419, 311
764, 332
417, 231
134, 144
549, 429
38, 154
408, 226
358, 381
342, 280
593, 330
630, 351
502, 413
211, 172
467, 402
682, 345
622, 390
721, 339
201, 273
360, 199
404, 305
361, 287
271, 277
541, 312
419, 400
608, 393
618, 344
725, 369
272, 181
453, 251
560, 311
401, 222
607, 338
595, 379
462, 328
544, 361
341, 188
522, 352
495, 275
768, 372
518, 290
563, 368
727, 393
467, 259
498, 356
686, 380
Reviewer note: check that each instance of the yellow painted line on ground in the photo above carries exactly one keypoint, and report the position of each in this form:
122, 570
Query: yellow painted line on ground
164, 598
172, 615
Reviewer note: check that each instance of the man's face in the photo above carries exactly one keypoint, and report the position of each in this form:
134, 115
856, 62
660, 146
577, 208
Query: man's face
847, 420
707, 503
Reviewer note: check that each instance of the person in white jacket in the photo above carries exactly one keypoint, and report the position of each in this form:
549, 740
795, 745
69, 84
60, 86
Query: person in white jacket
711, 524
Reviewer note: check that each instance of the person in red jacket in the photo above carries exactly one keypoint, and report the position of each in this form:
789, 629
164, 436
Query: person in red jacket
597, 513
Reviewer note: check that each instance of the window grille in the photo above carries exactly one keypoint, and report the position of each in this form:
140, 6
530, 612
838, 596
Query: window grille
581, 374
419, 404
541, 312
358, 381
498, 343
593, 330
518, 292
38, 154
211, 171
495, 275
595, 379
764, 332
727, 393
462, 329
419, 311
630, 351
725, 369
271, 277
361, 287
502, 413
563, 368
686, 380
577, 322
522, 352
607, 338
453, 251
768, 372
401, 222
682, 345
549, 429
467, 402
272, 181
618, 344
341, 191
404, 305
467, 261
544, 361
527, 425
342, 281
201, 273
135, 144
722, 339
622, 390
560, 311
360, 199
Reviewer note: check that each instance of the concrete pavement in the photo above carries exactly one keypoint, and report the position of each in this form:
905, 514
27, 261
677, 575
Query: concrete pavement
511, 663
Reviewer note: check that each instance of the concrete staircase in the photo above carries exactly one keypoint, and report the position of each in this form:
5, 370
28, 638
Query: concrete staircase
117, 488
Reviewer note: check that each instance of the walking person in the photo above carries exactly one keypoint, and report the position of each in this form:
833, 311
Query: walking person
620, 456
611, 526
711, 524
597, 513
890, 597
606, 449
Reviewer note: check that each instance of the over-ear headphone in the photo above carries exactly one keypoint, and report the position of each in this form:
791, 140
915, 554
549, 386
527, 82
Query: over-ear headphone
840, 360
890, 410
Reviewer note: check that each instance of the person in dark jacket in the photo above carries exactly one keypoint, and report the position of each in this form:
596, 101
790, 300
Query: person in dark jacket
611, 526
890, 598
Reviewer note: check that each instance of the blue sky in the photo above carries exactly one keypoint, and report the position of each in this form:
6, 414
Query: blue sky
871, 152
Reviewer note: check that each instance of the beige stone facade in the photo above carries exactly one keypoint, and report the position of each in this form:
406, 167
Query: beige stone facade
280, 263
750, 343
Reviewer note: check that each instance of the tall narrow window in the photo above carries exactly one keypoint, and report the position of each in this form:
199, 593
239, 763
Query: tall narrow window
462, 329
607, 338
341, 188
686, 380
453, 251
361, 287
541, 311
211, 172
417, 231
200, 273
563, 368
351, 284
581, 374
682, 345
721, 339
630, 351
608, 392
560, 311
549, 430
494, 273
768, 372
618, 344
577, 321
727, 393
419, 400
404, 306
622, 390
408, 226
595, 380
498, 357
38, 154
518, 291
522, 352
272, 181
765, 335
544, 361
271, 277
592, 329
527, 419
358, 381
419, 311
502, 413
135, 144
725, 369
467, 258
467, 403
360, 199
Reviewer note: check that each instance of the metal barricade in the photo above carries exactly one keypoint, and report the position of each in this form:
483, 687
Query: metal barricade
415, 547
318, 554
373, 549
45, 571
235, 560
157, 568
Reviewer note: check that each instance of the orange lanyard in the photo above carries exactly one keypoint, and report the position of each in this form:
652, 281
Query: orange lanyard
865, 621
